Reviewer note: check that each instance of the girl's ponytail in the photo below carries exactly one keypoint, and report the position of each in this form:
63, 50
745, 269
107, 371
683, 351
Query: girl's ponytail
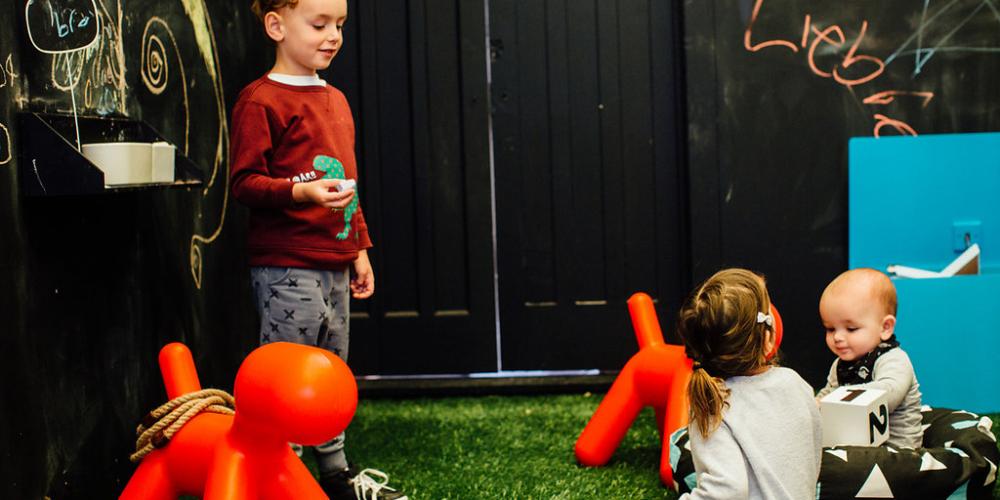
708, 398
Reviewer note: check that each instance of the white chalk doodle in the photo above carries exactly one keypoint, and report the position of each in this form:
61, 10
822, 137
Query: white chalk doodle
155, 68
7, 78
5, 153
206, 36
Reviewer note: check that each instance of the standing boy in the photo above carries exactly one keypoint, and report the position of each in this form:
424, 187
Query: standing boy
293, 164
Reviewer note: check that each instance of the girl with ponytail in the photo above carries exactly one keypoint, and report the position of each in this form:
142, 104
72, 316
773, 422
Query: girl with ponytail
755, 429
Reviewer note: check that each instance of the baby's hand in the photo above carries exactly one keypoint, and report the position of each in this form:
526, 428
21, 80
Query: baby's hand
322, 192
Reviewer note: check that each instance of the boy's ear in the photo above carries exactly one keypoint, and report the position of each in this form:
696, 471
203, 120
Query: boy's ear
274, 26
888, 326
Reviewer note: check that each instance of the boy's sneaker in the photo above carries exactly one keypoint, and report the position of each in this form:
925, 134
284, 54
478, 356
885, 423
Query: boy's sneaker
369, 484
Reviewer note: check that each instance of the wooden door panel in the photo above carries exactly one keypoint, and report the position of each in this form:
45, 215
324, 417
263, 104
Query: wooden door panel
416, 76
587, 162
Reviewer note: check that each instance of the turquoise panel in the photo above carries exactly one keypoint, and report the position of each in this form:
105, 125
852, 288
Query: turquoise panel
911, 200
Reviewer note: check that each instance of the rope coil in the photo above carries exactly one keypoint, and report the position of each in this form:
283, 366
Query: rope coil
159, 425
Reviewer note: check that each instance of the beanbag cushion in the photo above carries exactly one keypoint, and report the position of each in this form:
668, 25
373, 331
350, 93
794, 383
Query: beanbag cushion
958, 459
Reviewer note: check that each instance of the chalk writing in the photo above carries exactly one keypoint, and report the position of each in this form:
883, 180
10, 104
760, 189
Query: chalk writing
68, 20
853, 69
58, 26
856, 68
885, 121
888, 96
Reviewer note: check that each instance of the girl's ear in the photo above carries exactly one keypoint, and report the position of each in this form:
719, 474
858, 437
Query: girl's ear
888, 327
769, 342
274, 26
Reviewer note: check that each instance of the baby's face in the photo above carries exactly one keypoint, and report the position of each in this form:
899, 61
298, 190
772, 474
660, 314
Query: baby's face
854, 322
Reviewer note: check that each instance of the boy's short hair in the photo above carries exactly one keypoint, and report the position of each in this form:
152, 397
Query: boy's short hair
260, 8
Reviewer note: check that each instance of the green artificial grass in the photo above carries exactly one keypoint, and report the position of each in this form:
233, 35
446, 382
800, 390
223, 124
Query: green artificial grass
503, 447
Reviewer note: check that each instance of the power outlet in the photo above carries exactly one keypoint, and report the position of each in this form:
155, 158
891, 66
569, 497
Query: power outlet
965, 233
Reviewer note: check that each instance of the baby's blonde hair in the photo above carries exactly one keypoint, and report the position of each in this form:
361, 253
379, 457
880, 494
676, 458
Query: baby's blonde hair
260, 8
876, 282
718, 325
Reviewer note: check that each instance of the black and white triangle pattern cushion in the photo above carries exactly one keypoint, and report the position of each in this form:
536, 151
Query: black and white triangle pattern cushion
959, 460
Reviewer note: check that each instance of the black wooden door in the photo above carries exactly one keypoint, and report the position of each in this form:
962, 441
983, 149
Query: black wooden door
415, 74
588, 149
575, 195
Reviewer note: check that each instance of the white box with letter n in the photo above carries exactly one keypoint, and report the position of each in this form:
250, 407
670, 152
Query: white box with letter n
855, 416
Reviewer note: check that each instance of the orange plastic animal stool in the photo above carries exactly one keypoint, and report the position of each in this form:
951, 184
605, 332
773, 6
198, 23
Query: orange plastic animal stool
656, 376
284, 393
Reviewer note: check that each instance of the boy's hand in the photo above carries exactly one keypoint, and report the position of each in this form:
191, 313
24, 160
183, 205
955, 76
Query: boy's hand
322, 192
363, 283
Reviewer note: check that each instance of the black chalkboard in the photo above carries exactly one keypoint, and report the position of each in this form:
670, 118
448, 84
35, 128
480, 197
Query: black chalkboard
94, 285
776, 88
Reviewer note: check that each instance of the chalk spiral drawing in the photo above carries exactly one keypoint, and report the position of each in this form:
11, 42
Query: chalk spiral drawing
155, 68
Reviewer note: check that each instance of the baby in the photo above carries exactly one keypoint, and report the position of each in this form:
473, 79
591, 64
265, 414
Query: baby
858, 309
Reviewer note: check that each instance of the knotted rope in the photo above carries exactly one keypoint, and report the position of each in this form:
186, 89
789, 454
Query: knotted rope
161, 424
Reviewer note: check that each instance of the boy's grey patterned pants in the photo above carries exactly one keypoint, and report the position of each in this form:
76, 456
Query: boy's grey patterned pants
311, 307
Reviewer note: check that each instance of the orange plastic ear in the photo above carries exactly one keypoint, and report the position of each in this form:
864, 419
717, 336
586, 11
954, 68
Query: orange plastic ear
778, 331
180, 377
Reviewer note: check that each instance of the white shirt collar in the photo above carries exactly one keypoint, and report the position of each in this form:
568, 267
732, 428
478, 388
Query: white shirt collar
297, 80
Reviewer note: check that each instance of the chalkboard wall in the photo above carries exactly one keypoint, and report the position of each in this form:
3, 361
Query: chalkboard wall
94, 285
775, 90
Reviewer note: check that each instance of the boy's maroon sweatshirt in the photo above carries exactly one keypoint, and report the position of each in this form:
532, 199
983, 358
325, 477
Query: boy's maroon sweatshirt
282, 134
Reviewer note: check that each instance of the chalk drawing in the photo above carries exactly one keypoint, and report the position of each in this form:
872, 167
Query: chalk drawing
7, 77
948, 20
5, 154
205, 36
65, 20
155, 68
944, 16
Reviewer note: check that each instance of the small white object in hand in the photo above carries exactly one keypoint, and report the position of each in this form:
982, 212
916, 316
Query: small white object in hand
346, 184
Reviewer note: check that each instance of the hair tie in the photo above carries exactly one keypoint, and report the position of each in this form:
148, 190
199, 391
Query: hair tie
696, 365
765, 318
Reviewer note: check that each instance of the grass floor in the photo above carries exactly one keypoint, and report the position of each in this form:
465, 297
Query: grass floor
503, 447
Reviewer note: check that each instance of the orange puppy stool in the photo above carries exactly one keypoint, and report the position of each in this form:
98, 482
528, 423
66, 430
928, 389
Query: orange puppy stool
656, 376
284, 393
